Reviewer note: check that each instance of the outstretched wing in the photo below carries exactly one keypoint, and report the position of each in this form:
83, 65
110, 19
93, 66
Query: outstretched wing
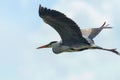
67, 29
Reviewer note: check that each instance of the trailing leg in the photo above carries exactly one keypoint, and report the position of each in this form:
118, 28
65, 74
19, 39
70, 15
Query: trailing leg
111, 50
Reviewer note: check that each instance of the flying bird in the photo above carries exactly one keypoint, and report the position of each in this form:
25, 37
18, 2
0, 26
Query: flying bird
72, 37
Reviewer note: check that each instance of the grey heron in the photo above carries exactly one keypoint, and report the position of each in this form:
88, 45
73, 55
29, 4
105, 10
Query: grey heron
73, 38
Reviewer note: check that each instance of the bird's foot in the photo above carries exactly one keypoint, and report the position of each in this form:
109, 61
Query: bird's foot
114, 51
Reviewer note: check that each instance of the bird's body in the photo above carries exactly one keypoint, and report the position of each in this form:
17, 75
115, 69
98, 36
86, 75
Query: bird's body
73, 38
59, 47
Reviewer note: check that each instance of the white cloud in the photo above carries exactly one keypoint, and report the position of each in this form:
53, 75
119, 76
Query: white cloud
82, 76
107, 6
74, 8
24, 2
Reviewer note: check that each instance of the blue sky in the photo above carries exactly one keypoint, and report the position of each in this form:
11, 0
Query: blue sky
22, 31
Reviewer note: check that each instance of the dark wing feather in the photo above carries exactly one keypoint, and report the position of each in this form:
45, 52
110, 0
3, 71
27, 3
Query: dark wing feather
67, 29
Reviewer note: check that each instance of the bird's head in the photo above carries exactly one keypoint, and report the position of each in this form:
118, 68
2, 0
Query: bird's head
50, 45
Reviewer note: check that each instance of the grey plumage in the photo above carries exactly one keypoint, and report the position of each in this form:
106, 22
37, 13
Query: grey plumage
73, 38
93, 32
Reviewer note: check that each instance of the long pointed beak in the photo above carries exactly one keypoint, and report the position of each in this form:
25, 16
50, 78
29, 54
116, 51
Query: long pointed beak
44, 46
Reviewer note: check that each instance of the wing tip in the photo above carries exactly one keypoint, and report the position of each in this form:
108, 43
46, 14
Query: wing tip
42, 10
40, 7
